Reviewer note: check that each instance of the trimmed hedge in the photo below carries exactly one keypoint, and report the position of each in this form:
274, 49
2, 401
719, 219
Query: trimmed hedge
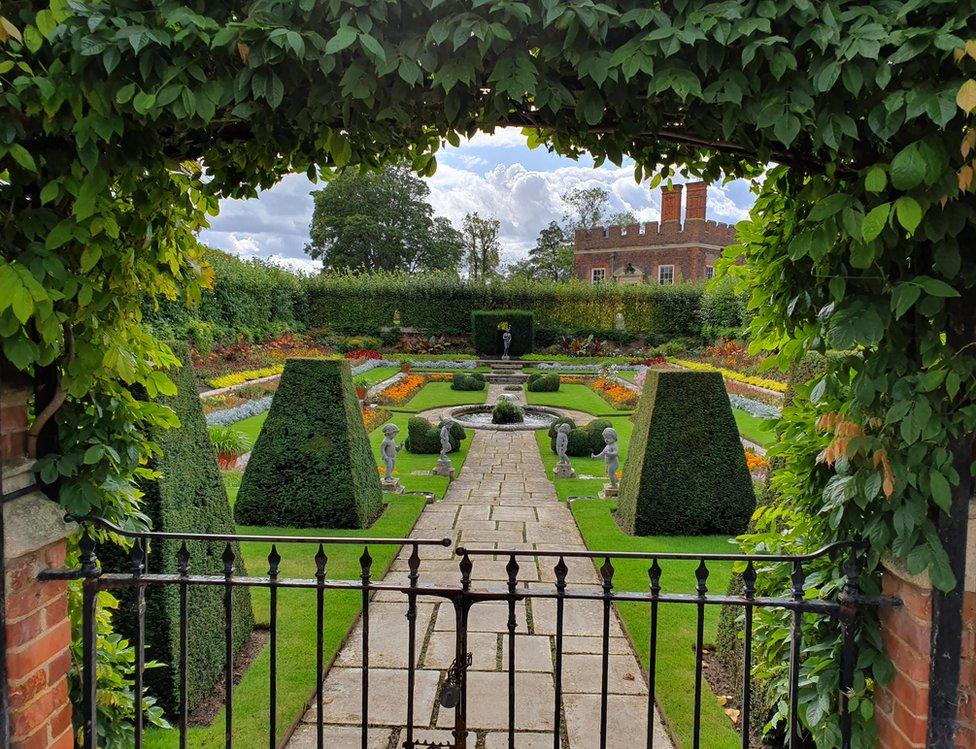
188, 496
686, 471
540, 383
506, 412
424, 438
468, 381
311, 466
486, 337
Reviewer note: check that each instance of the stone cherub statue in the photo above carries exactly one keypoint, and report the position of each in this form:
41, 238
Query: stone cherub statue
610, 455
444, 466
388, 452
506, 342
563, 467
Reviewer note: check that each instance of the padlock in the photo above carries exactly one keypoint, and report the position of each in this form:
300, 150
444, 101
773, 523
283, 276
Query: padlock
450, 695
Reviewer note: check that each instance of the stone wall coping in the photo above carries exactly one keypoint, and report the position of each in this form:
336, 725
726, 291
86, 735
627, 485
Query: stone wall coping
897, 568
33, 521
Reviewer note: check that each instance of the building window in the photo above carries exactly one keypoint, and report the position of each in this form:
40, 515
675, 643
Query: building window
665, 274
709, 272
598, 275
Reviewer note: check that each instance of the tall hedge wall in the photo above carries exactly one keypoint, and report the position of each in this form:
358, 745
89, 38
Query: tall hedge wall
686, 472
249, 299
188, 496
487, 338
311, 466
441, 304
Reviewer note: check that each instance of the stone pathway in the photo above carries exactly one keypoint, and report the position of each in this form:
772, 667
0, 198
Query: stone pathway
501, 499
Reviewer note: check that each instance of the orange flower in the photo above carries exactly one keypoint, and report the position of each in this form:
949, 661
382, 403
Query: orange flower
402, 390
756, 462
618, 395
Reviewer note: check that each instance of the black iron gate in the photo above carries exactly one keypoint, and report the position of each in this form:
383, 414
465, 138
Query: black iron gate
462, 597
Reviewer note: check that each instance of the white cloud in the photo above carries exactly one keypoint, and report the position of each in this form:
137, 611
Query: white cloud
304, 266
472, 177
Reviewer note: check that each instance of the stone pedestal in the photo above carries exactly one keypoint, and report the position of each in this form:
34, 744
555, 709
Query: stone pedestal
564, 471
609, 491
506, 357
391, 486
444, 468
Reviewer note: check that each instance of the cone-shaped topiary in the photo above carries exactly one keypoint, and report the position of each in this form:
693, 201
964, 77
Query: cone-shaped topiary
312, 466
686, 471
188, 496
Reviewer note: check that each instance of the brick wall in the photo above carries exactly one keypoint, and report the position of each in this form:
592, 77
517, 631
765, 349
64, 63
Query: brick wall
901, 708
689, 263
37, 628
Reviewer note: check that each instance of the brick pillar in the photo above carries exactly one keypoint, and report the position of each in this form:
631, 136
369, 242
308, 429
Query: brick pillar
696, 201
37, 628
901, 708
671, 203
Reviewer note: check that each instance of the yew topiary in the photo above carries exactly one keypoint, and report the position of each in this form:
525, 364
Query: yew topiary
312, 465
686, 471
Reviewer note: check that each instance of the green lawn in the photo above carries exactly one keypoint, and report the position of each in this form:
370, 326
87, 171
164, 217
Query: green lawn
576, 397
439, 395
754, 428
373, 376
578, 487
675, 663
296, 626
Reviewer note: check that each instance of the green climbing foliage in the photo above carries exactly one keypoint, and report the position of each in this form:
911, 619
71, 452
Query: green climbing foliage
124, 123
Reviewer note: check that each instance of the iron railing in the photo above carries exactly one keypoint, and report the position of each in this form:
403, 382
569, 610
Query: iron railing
463, 596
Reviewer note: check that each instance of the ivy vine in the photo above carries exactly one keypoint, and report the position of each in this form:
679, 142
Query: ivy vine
124, 123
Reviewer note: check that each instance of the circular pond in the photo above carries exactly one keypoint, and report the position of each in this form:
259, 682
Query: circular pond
479, 417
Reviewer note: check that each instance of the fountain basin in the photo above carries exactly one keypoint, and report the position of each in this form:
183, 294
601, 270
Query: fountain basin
479, 417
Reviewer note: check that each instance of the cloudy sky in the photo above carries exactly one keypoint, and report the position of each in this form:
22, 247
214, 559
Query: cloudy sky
496, 175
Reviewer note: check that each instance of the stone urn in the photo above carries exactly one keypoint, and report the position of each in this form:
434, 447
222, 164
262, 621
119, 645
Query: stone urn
361, 392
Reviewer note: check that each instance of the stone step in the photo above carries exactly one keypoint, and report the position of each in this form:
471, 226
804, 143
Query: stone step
506, 377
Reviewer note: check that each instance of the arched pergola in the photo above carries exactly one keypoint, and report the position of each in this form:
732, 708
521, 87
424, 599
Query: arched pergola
124, 123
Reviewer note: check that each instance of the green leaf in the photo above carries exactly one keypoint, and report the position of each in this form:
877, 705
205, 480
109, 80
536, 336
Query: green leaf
875, 221
941, 490
23, 157
903, 296
372, 45
345, 36
22, 304
876, 179
21, 351
935, 287
909, 213
908, 168
275, 91
829, 206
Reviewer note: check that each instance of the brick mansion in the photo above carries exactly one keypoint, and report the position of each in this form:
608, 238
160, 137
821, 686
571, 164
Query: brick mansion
667, 252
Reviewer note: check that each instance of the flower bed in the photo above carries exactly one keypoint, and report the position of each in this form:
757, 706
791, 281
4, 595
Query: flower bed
574, 379
239, 413
613, 392
779, 387
753, 393
440, 377
373, 417
402, 390
757, 464
755, 408
239, 378
363, 354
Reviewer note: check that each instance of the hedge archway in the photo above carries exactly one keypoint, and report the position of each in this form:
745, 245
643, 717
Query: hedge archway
125, 122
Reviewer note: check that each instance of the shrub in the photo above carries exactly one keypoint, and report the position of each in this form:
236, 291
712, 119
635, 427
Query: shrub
227, 440
468, 381
425, 438
188, 496
583, 441
312, 465
506, 412
543, 383
486, 333
686, 472
359, 343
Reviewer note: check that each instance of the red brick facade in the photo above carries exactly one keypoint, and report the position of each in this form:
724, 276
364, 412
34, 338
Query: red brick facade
37, 627
901, 708
691, 248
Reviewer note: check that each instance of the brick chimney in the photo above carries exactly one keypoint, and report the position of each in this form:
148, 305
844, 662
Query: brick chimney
671, 203
696, 201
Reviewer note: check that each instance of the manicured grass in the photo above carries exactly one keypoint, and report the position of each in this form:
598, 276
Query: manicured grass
439, 395
754, 429
296, 625
373, 376
628, 374
576, 397
580, 487
251, 426
675, 662
408, 462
